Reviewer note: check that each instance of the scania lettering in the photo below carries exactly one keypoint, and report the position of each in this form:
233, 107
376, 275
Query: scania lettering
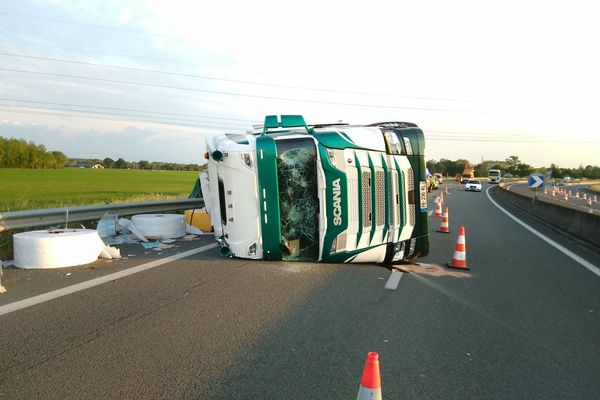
337, 208
327, 192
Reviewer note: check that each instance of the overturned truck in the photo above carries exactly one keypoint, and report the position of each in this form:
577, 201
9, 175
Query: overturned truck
328, 192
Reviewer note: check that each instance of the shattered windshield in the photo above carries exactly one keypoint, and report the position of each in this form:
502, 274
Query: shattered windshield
298, 200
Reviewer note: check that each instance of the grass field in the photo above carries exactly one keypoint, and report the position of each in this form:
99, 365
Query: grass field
25, 189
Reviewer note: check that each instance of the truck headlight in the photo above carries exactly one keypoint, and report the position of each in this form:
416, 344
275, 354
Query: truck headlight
339, 243
333, 247
331, 155
247, 159
252, 249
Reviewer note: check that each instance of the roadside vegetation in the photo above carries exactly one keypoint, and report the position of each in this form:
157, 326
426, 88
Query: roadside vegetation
24, 189
18, 153
511, 167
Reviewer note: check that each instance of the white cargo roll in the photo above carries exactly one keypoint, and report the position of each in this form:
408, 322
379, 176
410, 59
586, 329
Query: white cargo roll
56, 248
160, 226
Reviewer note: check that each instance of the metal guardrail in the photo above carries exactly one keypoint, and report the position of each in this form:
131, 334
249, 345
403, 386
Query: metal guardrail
56, 216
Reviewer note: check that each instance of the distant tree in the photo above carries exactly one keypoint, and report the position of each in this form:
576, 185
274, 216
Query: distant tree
60, 159
512, 164
18, 153
143, 164
556, 171
121, 164
108, 162
431, 166
524, 170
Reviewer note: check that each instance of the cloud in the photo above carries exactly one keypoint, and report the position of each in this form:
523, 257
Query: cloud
130, 143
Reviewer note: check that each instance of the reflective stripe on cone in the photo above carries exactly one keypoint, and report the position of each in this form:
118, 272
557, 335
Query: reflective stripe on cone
370, 383
459, 258
444, 228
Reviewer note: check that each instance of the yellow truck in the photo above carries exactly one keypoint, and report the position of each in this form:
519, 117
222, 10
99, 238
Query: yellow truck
468, 173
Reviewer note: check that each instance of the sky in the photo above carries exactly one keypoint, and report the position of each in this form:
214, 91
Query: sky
148, 80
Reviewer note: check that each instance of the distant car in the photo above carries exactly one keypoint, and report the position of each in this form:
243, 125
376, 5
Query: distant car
473, 185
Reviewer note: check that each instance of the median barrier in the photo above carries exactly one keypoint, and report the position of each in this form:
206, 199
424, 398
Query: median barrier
581, 224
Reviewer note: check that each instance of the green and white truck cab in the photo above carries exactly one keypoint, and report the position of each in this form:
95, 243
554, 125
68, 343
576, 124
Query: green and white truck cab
331, 193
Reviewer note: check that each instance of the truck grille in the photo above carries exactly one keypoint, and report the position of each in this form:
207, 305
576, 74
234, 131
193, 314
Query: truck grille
393, 198
380, 196
411, 196
366, 199
411, 180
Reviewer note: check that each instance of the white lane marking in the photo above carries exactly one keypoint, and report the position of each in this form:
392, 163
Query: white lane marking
21, 304
545, 238
394, 280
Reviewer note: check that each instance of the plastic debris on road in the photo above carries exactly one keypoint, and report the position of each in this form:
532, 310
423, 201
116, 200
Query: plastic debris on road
124, 222
150, 245
107, 226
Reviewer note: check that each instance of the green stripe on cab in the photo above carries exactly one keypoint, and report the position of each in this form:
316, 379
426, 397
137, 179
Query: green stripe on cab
270, 218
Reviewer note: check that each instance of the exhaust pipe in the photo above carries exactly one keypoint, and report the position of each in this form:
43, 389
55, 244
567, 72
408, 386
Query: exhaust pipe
225, 251
217, 155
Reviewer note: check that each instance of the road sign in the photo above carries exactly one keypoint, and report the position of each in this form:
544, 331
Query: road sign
536, 181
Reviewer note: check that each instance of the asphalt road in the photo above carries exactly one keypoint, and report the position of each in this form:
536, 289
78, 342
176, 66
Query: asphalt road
523, 323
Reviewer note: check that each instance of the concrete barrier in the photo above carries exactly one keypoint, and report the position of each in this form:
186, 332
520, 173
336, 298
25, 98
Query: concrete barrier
581, 224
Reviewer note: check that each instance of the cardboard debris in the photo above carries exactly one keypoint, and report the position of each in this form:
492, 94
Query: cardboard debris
109, 253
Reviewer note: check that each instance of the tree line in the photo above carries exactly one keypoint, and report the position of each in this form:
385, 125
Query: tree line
511, 166
18, 153
589, 171
120, 163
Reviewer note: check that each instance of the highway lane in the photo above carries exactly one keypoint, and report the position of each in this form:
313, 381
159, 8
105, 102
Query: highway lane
523, 323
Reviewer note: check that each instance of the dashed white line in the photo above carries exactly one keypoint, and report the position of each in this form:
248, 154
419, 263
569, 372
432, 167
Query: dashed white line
394, 280
32, 301
591, 267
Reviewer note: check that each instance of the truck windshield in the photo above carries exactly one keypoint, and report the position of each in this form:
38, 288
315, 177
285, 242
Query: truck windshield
298, 199
494, 173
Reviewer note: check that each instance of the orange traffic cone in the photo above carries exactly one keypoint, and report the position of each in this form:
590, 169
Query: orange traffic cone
459, 258
438, 209
370, 384
444, 227
442, 197
446, 189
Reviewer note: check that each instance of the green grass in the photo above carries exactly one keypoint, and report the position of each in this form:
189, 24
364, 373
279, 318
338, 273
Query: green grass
25, 189
596, 188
